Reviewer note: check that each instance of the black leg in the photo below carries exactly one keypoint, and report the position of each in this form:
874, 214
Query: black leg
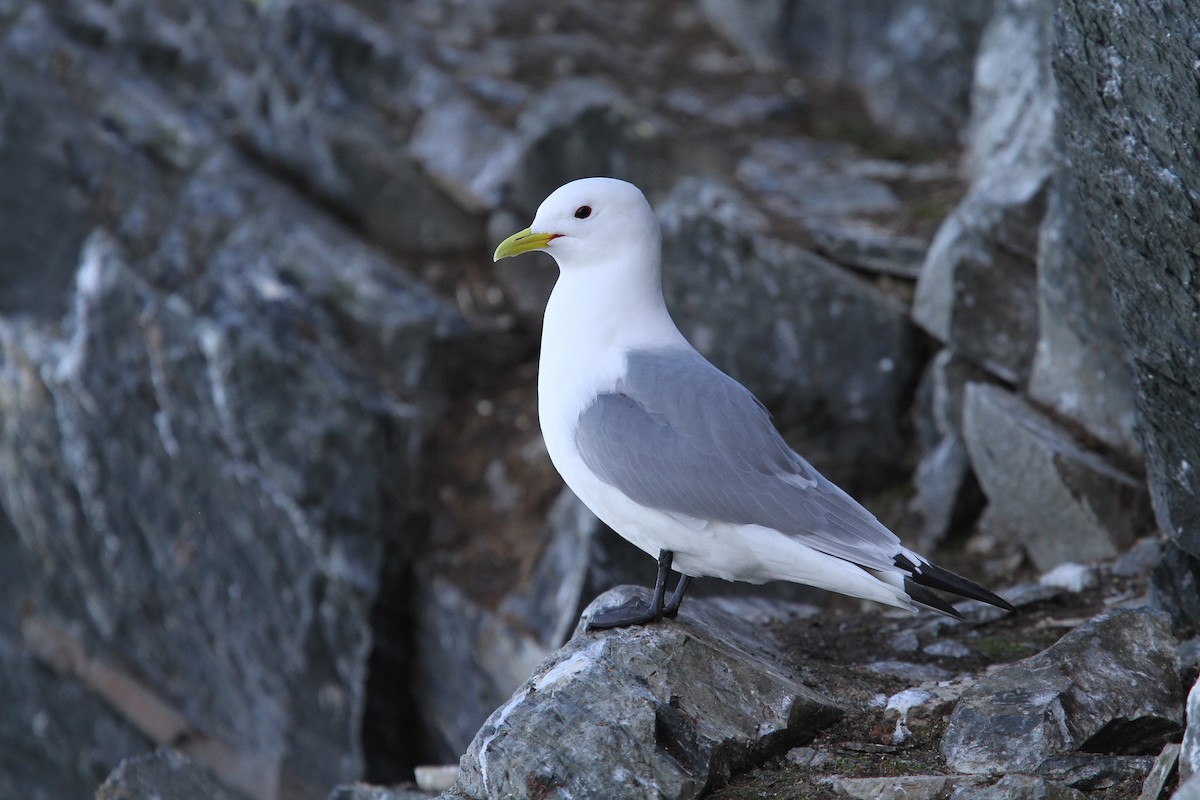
635, 612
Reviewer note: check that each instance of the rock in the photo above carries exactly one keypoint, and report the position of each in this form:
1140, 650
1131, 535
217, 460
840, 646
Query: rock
585, 126
804, 178
1111, 685
153, 463
752, 27
978, 287
910, 61
362, 791
1128, 97
472, 654
725, 280
903, 787
1063, 502
1186, 791
868, 248
698, 698
1019, 787
1175, 588
469, 156
166, 774
1090, 772
1139, 559
1163, 768
1189, 754
1080, 369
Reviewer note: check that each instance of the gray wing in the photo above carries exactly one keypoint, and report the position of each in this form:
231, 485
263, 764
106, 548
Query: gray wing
679, 435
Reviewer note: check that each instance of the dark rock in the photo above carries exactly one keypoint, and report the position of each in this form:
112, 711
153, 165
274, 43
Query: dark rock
1175, 588
165, 775
864, 247
1139, 559
362, 791
978, 288
1127, 76
754, 28
698, 698
1063, 502
472, 654
789, 324
1089, 772
155, 465
910, 61
1110, 686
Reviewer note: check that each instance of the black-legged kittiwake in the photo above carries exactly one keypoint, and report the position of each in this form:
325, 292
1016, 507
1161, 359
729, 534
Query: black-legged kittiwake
672, 453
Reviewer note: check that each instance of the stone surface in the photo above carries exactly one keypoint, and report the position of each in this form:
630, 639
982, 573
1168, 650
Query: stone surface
786, 325
1090, 772
905, 787
157, 409
1063, 502
362, 791
1080, 369
1175, 588
1019, 787
1111, 685
697, 699
1189, 754
978, 287
472, 655
1128, 94
166, 775
910, 61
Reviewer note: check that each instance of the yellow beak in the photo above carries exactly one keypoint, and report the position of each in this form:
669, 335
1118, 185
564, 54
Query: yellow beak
522, 242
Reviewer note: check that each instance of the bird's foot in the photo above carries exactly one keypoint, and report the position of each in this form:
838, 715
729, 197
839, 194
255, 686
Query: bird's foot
631, 612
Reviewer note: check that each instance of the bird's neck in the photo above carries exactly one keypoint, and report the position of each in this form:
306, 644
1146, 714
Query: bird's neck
601, 308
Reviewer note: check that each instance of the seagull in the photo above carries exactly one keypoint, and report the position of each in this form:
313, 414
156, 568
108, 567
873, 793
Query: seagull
675, 455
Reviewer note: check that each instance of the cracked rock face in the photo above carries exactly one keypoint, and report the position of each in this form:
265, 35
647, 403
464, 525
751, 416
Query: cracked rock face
666, 710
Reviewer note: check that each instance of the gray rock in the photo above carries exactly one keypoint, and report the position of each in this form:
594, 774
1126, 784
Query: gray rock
581, 127
155, 465
1186, 791
165, 774
1175, 588
1139, 559
1111, 685
903, 787
794, 328
865, 247
1163, 768
978, 287
805, 178
697, 699
910, 61
1062, 502
1090, 772
472, 655
465, 152
1019, 787
362, 791
1128, 83
1189, 754
753, 27
1080, 370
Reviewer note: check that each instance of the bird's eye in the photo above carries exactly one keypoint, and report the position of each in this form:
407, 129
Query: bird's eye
583, 212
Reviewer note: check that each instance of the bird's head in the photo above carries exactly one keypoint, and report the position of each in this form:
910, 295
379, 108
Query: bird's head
589, 222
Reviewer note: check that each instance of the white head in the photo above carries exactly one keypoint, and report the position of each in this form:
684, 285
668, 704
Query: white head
591, 222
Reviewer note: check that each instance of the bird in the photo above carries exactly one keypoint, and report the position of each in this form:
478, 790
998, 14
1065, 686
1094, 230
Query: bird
669, 451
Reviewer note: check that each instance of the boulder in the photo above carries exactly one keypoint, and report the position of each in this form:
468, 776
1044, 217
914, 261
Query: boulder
910, 61
1127, 76
165, 774
698, 698
1063, 503
795, 329
1109, 686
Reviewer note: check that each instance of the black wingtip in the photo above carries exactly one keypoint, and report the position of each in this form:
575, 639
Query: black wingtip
935, 577
922, 596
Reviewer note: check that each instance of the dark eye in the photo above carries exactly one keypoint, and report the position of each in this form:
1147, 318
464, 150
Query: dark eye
583, 212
